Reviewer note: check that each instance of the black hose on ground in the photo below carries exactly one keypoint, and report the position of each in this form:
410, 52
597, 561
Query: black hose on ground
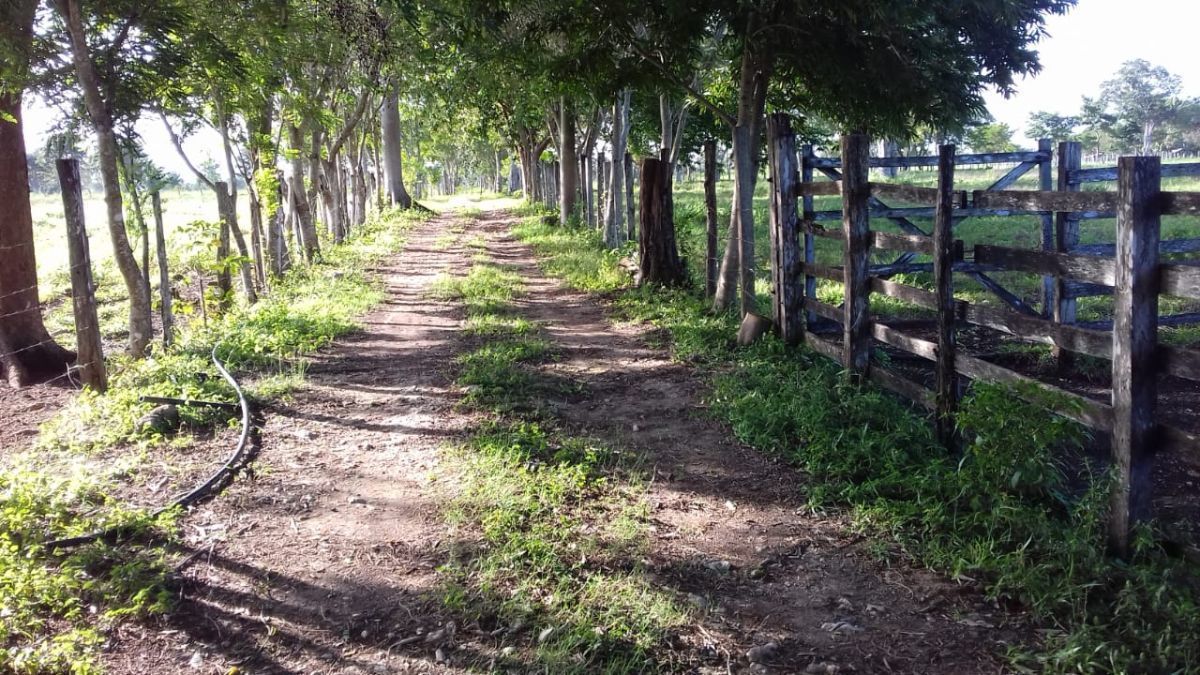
197, 493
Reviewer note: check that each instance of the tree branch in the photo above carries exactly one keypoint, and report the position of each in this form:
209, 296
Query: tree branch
183, 155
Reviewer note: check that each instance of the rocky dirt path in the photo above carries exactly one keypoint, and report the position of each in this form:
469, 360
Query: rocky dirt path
325, 560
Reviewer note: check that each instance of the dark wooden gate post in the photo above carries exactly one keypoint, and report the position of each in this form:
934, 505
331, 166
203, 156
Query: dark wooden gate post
944, 255
83, 292
1066, 237
1046, 184
1135, 337
164, 277
810, 252
786, 282
856, 193
630, 211
710, 210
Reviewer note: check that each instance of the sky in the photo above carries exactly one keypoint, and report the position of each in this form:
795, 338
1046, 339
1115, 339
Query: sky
1083, 48
1087, 45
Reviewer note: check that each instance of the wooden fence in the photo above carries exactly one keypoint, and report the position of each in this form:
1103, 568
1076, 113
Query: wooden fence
1132, 272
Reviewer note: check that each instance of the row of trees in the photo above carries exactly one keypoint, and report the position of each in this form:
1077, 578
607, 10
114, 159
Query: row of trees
328, 90
1141, 109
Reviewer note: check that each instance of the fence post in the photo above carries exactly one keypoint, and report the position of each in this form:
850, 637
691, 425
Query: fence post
856, 192
785, 243
164, 277
1135, 337
1066, 237
943, 279
710, 211
810, 253
630, 211
87, 324
1046, 184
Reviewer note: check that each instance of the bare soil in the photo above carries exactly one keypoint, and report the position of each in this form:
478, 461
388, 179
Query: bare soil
324, 558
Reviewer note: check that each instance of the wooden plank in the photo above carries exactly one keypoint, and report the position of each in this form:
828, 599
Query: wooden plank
1036, 329
825, 347
927, 212
1179, 362
1066, 237
874, 203
89, 348
946, 387
1110, 173
1135, 335
1003, 293
823, 310
1178, 440
829, 272
856, 190
786, 254
828, 188
1078, 408
910, 294
1181, 280
1167, 247
812, 228
1092, 269
1046, 183
1007, 180
911, 193
1180, 203
1037, 200
810, 251
888, 335
908, 162
903, 386
913, 243
1184, 319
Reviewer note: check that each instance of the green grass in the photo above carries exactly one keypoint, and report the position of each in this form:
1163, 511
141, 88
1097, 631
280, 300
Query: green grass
55, 609
1007, 513
550, 527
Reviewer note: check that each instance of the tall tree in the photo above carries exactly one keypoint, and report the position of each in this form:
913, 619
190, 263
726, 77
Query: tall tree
1142, 97
27, 352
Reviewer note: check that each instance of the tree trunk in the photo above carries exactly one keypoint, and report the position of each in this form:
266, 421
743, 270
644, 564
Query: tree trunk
277, 247
614, 231
27, 352
397, 194
737, 264
658, 256
302, 212
568, 165
140, 326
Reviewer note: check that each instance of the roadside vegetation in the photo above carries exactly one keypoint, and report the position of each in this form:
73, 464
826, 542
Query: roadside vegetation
1013, 513
58, 605
550, 527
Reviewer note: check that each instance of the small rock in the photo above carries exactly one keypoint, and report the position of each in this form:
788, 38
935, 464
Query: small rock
636, 428
730, 505
845, 605
161, 420
439, 655
508, 651
842, 626
719, 566
698, 600
304, 434
545, 634
197, 661
823, 668
358, 500
759, 668
874, 609
762, 653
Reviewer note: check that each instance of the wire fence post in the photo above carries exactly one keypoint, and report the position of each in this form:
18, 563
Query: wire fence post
787, 283
856, 223
943, 278
83, 292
